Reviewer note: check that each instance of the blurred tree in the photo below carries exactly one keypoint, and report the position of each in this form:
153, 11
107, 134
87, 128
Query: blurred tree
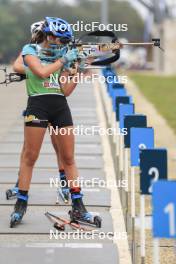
11, 34
124, 13
17, 16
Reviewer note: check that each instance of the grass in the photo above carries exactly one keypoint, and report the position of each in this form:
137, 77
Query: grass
161, 91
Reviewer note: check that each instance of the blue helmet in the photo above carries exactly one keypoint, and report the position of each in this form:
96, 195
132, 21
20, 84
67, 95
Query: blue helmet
58, 27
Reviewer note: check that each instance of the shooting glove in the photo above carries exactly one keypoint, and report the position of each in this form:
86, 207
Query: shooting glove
70, 56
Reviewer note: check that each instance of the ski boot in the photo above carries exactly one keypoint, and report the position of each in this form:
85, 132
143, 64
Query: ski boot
79, 214
19, 210
63, 190
12, 193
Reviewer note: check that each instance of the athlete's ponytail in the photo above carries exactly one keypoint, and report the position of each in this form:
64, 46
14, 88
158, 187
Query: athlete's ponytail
38, 38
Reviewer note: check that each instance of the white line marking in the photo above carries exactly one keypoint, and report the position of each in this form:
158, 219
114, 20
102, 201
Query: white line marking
84, 245
45, 245
65, 245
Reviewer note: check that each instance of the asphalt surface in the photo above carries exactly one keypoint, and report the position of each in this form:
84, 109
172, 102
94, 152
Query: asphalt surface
31, 241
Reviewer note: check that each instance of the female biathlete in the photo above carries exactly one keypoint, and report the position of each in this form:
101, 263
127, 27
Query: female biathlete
47, 104
18, 66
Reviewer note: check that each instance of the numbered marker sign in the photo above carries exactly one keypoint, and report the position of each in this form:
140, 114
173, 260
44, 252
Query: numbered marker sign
164, 209
115, 87
108, 71
121, 100
116, 93
133, 121
141, 138
153, 166
125, 109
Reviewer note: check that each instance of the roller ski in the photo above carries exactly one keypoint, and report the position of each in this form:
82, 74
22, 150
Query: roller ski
79, 214
63, 191
19, 210
61, 223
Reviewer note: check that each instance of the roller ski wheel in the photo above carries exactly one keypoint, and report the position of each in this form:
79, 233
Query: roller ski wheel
79, 213
12, 193
97, 221
15, 219
59, 227
64, 193
19, 211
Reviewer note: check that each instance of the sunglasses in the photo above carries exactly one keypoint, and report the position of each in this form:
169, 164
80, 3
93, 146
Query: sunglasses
63, 40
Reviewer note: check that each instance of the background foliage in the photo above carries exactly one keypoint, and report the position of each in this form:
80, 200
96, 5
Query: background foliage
17, 16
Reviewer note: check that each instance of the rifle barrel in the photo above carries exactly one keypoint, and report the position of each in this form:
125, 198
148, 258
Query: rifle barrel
139, 44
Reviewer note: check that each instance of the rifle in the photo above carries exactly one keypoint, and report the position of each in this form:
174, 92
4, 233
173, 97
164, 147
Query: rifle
12, 77
100, 53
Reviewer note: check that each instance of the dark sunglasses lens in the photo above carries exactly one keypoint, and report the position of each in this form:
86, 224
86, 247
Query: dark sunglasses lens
64, 40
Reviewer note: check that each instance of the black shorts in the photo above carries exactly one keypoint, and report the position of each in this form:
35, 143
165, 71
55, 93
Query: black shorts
48, 109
